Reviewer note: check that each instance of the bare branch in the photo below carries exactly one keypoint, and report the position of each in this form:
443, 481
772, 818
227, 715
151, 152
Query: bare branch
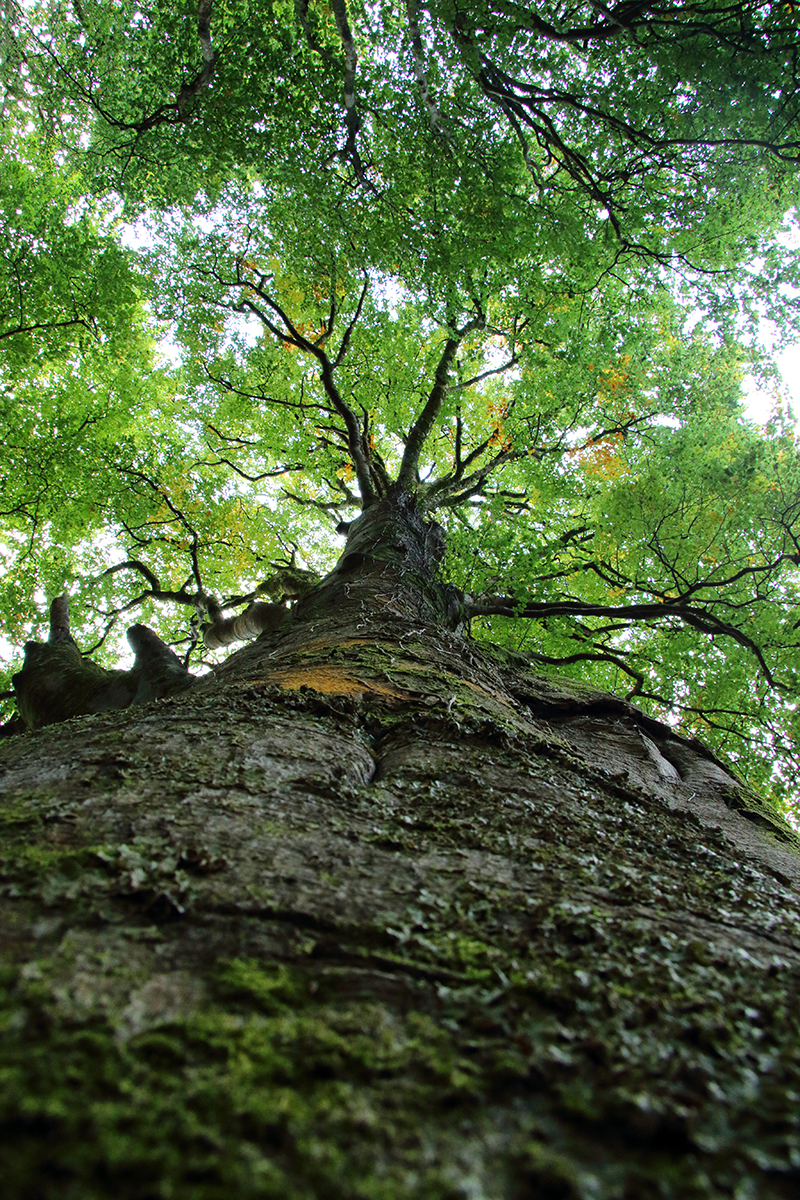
133, 564
466, 383
275, 473
370, 481
256, 618
348, 333
260, 398
605, 656
456, 488
329, 507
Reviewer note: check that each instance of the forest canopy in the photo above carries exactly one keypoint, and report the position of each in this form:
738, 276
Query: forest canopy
262, 262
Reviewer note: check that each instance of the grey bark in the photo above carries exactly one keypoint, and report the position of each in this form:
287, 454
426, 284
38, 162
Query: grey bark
372, 912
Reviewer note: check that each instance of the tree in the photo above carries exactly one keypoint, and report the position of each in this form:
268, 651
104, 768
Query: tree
549, 228
369, 908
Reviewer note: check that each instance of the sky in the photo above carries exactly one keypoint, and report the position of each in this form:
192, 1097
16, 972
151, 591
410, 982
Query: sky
759, 404
789, 363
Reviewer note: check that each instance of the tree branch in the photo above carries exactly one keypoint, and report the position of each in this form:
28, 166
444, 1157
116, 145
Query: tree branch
369, 484
275, 473
296, 405
352, 116
49, 325
420, 430
700, 619
257, 618
418, 55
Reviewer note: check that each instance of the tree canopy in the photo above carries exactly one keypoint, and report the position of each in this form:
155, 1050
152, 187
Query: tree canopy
260, 263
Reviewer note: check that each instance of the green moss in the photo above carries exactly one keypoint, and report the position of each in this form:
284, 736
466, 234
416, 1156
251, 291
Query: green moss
225, 1103
470, 955
274, 988
16, 812
52, 873
764, 814
598, 1037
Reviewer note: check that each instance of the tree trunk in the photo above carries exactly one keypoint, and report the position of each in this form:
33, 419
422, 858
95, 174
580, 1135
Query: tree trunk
371, 912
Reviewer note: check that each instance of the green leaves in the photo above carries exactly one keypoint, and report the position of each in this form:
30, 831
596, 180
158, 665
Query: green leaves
63, 280
684, 535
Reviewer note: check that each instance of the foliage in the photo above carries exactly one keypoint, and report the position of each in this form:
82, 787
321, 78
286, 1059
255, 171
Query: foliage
261, 259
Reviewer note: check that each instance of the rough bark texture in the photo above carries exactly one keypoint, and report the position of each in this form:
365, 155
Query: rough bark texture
373, 913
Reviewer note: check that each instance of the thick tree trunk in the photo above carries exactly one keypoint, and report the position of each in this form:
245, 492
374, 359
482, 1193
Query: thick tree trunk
373, 913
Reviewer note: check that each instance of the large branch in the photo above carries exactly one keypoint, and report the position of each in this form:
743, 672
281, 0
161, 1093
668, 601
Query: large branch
358, 452
155, 591
257, 618
418, 51
352, 116
56, 682
420, 430
700, 619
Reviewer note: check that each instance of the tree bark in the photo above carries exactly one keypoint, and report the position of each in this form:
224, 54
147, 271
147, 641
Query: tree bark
373, 912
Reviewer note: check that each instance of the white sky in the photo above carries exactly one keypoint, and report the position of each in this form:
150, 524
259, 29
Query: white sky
789, 363
759, 405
